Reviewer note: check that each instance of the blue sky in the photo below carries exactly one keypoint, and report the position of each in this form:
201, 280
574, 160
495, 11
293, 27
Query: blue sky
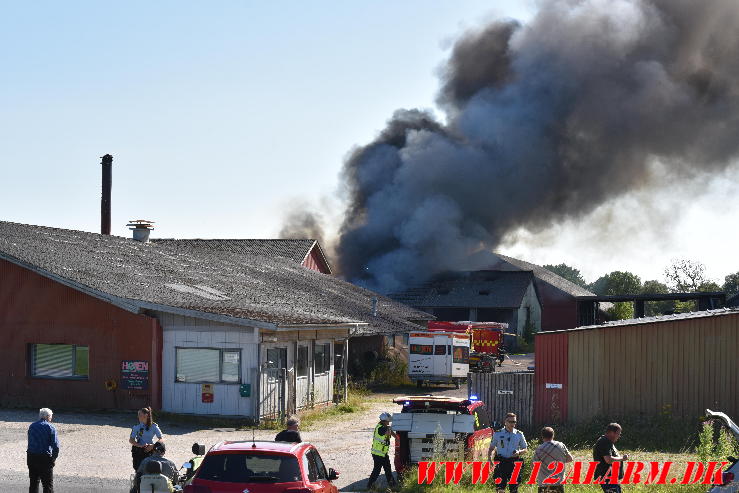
220, 115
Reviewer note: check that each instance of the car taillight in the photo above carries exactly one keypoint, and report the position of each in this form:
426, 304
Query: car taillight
726, 478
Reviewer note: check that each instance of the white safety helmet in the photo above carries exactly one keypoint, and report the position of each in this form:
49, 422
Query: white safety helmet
385, 417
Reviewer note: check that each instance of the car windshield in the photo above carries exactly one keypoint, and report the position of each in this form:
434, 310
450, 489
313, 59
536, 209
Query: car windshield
250, 468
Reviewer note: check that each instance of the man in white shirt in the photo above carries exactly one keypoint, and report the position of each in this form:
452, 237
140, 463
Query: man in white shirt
507, 444
551, 451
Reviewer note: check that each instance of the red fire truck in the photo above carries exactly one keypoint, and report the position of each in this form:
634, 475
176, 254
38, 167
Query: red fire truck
486, 341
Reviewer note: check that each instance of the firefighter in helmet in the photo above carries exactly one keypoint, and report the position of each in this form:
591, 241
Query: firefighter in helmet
381, 449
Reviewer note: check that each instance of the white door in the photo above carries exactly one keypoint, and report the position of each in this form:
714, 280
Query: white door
302, 379
442, 355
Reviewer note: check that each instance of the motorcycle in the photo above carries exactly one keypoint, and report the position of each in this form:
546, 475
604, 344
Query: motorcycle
182, 477
730, 476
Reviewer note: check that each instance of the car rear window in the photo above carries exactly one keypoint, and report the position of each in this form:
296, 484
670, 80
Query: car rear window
250, 468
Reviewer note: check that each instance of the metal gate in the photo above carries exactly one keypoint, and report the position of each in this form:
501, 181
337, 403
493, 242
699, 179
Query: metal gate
505, 393
341, 355
273, 392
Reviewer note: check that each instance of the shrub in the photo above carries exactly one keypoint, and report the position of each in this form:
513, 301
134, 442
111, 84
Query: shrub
391, 372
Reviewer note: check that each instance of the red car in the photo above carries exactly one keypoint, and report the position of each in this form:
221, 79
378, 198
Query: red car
463, 424
262, 467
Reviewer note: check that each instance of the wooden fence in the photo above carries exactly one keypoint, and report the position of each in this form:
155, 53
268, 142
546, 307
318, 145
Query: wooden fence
505, 393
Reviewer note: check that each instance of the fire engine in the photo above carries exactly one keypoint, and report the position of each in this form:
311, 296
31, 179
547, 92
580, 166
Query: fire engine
486, 341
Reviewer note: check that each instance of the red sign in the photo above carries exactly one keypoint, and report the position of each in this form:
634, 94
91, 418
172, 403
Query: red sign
207, 393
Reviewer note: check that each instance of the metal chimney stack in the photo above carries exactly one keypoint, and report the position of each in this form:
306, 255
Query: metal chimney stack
107, 162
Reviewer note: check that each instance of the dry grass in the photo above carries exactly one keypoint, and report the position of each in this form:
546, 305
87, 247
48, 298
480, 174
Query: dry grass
356, 403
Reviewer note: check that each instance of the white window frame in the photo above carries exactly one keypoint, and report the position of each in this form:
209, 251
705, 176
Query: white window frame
221, 351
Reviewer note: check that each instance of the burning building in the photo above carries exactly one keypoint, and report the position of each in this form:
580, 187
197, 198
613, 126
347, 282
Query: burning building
544, 122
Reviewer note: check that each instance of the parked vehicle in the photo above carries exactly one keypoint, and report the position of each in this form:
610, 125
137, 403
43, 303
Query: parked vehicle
461, 428
731, 474
265, 467
486, 342
438, 357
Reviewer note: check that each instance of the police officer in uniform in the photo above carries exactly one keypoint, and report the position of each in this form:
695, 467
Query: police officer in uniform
508, 445
380, 449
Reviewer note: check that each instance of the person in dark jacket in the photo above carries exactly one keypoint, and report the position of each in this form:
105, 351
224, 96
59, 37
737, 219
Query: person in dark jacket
43, 449
291, 434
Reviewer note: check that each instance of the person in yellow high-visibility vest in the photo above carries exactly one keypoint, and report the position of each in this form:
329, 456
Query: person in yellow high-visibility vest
381, 449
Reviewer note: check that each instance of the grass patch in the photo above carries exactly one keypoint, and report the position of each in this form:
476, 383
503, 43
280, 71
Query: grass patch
410, 479
356, 403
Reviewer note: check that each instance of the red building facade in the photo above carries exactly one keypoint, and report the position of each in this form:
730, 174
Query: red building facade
41, 317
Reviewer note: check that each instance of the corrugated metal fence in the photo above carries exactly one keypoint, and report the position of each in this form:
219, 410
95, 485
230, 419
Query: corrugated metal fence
676, 366
505, 393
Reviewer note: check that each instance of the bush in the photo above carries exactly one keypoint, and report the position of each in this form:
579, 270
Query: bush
392, 372
723, 447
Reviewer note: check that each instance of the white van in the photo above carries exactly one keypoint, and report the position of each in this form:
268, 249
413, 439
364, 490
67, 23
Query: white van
438, 357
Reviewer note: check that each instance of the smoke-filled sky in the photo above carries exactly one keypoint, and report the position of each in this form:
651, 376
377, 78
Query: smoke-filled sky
222, 118
547, 121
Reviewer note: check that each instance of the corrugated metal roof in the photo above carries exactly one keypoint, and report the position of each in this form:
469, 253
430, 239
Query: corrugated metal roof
650, 320
261, 288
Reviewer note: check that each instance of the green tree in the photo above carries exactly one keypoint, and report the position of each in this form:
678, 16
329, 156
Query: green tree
621, 310
653, 308
685, 275
708, 287
570, 273
618, 282
731, 284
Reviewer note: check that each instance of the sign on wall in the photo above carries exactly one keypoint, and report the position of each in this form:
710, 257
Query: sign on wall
207, 393
135, 375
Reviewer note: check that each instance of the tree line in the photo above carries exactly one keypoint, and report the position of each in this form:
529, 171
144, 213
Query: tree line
680, 276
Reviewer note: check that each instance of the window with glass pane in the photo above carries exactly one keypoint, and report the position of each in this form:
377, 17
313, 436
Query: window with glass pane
231, 367
60, 361
302, 361
277, 357
422, 349
198, 365
327, 357
319, 358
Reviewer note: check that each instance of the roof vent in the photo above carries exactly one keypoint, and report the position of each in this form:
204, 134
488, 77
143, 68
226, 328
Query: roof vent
141, 229
484, 292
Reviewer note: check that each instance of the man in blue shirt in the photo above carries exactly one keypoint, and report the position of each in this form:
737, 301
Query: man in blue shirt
43, 449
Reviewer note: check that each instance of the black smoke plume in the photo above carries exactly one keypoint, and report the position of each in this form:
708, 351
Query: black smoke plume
544, 122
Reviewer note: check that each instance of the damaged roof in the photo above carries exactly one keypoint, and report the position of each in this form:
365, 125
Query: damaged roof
479, 289
296, 250
157, 276
544, 275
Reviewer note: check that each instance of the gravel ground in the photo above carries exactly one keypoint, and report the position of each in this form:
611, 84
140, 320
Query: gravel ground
95, 455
